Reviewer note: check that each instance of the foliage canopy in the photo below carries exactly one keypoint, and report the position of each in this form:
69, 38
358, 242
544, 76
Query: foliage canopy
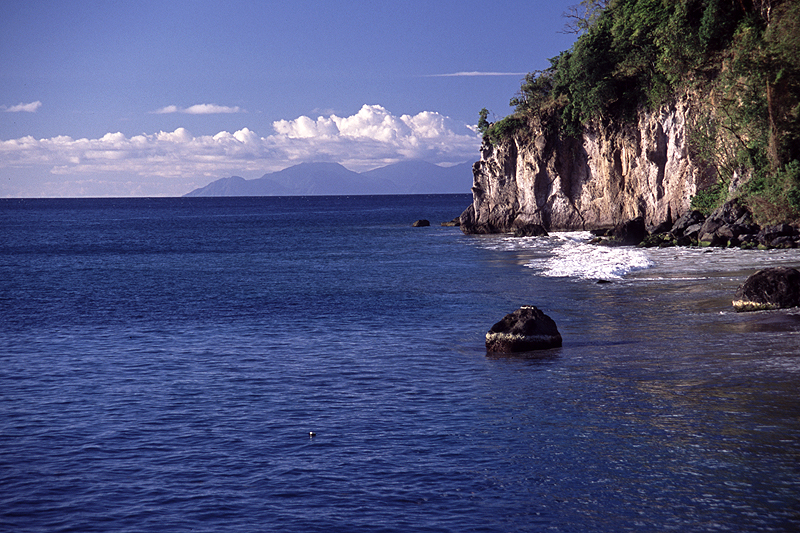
744, 55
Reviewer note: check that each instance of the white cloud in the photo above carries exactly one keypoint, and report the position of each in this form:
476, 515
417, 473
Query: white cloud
168, 109
199, 109
207, 109
370, 138
29, 108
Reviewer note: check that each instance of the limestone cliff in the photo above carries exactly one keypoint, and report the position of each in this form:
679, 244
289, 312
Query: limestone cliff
612, 173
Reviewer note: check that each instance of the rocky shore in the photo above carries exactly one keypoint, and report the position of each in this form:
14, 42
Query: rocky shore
729, 226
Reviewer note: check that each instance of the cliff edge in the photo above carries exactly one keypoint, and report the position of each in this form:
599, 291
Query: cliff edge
658, 107
612, 173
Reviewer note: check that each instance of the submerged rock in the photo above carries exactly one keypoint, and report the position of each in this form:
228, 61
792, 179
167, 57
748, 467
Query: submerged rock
771, 288
526, 329
421, 223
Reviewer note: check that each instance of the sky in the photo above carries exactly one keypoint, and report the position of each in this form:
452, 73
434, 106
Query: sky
155, 98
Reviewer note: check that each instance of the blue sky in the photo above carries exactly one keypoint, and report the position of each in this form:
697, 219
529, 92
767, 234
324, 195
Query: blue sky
154, 98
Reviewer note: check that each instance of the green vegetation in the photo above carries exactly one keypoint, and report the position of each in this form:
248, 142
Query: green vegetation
742, 57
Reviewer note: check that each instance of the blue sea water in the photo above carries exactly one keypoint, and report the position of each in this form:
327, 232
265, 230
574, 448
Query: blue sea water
163, 362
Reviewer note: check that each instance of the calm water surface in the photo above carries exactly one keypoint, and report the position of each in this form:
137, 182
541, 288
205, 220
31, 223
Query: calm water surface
162, 362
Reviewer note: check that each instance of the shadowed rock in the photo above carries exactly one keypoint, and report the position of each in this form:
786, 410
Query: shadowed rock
771, 288
531, 230
526, 329
421, 223
631, 232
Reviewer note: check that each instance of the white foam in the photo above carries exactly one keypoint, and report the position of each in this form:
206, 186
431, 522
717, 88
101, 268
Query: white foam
573, 257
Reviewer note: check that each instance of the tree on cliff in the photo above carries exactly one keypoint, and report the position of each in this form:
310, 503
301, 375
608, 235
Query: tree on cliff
742, 55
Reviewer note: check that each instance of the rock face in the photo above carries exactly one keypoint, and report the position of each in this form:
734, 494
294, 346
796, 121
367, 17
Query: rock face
630, 232
771, 288
526, 329
612, 173
531, 230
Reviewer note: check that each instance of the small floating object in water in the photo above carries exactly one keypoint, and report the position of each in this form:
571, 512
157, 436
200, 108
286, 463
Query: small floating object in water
311, 434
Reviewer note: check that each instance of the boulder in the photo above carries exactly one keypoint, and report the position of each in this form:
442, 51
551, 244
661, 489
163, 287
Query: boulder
660, 240
602, 232
421, 223
771, 288
693, 231
631, 232
688, 219
664, 227
531, 230
769, 234
526, 329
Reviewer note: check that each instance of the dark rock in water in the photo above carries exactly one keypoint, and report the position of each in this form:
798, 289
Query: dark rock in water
531, 230
631, 232
771, 288
526, 329
453, 223
602, 232
421, 223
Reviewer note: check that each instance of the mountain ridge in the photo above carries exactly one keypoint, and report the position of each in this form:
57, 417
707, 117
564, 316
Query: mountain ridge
323, 179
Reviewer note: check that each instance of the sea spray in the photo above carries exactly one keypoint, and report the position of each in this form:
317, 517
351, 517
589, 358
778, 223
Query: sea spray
573, 257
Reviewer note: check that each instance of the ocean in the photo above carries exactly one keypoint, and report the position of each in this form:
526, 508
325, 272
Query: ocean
317, 364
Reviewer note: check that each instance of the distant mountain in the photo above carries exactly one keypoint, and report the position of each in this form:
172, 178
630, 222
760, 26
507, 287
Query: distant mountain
310, 179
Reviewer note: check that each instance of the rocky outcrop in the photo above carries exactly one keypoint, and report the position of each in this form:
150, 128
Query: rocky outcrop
422, 223
612, 173
531, 230
526, 329
731, 225
771, 288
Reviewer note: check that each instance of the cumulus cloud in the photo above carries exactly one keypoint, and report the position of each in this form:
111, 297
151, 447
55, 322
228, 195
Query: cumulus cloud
28, 108
370, 138
199, 109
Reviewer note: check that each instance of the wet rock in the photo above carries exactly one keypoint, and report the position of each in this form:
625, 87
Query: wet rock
452, 223
664, 227
602, 232
421, 223
716, 239
687, 220
659, 240
526, 329
631, 232
769, 234
771, 288
726, 224
692, 232
531, 230
787, 241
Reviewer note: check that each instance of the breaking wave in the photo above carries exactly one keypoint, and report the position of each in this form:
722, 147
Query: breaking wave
573, 257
